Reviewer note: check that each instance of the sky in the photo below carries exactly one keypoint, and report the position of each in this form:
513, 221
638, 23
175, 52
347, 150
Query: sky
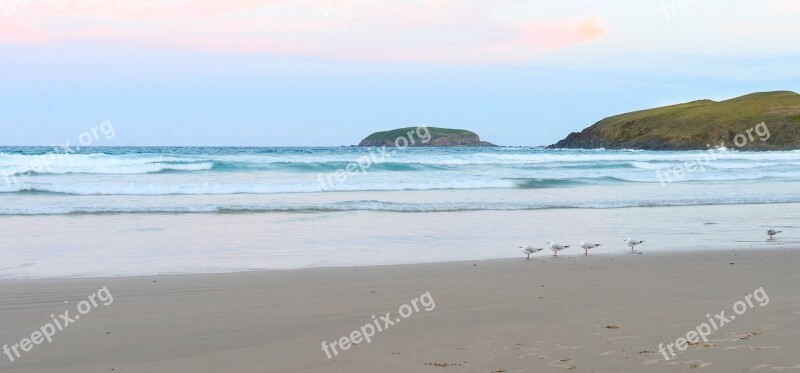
330, 72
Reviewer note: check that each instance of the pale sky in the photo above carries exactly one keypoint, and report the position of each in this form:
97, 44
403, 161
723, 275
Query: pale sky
329, 72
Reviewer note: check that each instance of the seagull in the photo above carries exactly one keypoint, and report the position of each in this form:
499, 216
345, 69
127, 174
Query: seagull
588, 245
771, 232
528, 250
556, 247
631, 242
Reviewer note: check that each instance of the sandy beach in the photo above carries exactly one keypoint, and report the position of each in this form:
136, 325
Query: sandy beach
208, 186
601, 313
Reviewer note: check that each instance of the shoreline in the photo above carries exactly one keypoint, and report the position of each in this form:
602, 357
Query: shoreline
537, 257
595, 313
150, 244
220, 210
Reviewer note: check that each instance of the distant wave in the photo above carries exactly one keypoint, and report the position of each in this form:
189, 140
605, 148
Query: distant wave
372, 205
330, 160
536, 183
238, 188
15, 165
719, 164
134, 168
244, 180
148, 168
312, 186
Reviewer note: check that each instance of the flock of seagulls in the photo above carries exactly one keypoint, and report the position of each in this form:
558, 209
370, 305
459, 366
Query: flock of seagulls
586, 246
556, 247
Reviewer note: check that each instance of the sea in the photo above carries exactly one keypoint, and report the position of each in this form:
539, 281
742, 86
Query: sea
134, 211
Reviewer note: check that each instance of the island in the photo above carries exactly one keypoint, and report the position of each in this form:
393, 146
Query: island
424, 136
700, 125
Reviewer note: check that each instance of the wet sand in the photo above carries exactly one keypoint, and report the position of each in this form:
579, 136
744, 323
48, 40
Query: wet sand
602, 313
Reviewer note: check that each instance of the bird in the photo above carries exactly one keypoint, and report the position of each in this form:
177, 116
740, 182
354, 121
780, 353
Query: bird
556, 247
771, 232
528, 250
631, 242
588, 245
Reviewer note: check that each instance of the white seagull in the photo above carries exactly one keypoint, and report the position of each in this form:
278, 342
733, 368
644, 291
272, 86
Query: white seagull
556, 247
771, 232
528, 250
588, 245
631, 242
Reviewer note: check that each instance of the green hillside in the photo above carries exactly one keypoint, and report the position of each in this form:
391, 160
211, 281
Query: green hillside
694, 124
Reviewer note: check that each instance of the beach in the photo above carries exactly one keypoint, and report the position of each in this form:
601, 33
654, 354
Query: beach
172, 259
601, 313
399, 186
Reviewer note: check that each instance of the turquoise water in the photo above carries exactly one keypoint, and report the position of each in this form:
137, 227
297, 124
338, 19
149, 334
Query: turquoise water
118, 180
143, 211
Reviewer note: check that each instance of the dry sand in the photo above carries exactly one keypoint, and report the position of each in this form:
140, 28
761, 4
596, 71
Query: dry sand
602, 313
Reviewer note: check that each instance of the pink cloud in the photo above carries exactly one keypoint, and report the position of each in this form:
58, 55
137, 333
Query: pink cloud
65, 7
14, 32
194, 8
786, 6
438, 31
150, 9
558, 35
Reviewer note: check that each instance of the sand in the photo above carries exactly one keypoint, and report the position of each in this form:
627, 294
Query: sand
602, 313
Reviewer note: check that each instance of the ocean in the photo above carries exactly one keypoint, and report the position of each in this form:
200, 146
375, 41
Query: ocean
156, 210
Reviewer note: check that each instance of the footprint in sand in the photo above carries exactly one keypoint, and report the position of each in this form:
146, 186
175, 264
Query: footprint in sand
567, 364
617, 340
443, 365
737, 336
624, 349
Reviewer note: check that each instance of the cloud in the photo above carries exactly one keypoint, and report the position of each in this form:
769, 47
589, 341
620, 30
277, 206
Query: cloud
14, 32
786, 6
437, 31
